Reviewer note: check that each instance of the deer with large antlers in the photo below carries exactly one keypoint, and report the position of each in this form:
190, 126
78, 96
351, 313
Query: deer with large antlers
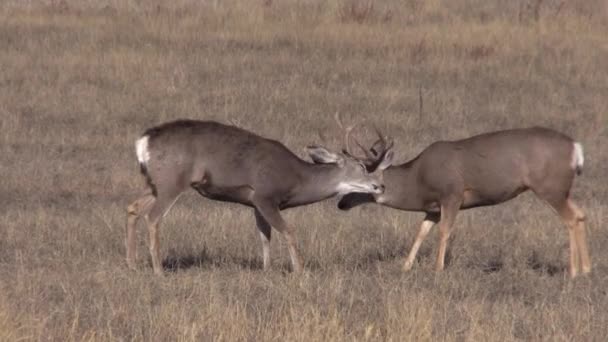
227, 163
482, 170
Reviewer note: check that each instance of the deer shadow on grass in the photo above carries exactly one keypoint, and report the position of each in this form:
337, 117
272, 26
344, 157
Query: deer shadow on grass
536, 263
175, 262
372, 258
491, 265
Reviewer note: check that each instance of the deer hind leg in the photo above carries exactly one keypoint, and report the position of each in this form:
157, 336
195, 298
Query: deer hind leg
272, 215
449, 210
574, 218
134, 211
426, 225
163, 203
265, 231
581, 238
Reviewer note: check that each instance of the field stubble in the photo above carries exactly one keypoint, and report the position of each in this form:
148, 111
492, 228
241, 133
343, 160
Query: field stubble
81, 80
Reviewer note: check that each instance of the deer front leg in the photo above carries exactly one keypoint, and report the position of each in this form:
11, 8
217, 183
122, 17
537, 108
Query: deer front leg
272, 215
425, 227
449, 210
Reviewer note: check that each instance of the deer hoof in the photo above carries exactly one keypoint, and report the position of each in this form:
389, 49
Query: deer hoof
131, 265
407, 266
586, 270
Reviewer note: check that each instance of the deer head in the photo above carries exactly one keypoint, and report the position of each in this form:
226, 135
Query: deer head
354, 174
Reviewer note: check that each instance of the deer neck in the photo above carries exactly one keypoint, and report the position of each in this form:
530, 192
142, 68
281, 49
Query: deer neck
403, 188
318, 182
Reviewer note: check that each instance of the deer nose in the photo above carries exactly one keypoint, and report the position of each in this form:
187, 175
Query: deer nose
379, 188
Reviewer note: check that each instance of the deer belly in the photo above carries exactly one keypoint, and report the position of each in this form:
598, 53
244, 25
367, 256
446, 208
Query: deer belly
234, 194
472, 198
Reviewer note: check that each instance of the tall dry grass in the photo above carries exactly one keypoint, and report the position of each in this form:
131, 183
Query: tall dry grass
80, 80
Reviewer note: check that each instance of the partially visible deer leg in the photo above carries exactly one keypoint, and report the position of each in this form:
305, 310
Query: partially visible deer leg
159, 209
581, 238
273, 216
265, 231
426, 225
574, 218
449, 210
569, 217
134, 211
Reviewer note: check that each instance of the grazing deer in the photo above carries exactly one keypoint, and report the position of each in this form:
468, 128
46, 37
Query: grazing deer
229, 164
482, 170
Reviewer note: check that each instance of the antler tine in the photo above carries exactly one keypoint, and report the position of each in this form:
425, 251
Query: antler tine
338, 120
347, 131
234, 122
322, 137
380, 136
387, 142
368, 154
390, 142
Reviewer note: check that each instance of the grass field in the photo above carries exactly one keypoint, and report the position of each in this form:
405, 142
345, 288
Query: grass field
81, 80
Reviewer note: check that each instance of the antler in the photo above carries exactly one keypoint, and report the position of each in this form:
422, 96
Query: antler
347, 131
380, 136
378, 150
372, 156
385, 142
368, 155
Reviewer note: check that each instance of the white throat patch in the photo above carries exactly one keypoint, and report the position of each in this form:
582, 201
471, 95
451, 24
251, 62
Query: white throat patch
345, 188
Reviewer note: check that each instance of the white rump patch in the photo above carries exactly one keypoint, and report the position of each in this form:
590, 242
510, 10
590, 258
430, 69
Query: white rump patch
141, 148
578, 158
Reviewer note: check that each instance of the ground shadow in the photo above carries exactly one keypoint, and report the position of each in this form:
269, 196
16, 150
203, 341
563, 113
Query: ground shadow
175, 263
536, 263
371, 259
492, 265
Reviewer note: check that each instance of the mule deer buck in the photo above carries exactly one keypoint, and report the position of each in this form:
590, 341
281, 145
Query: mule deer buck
226, 163
482, 170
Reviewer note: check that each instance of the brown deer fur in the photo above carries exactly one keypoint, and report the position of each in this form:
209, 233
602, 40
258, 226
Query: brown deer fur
483, 170
226, 163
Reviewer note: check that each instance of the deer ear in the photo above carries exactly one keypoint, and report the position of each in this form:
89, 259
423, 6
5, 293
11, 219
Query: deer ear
387, 160
320, 155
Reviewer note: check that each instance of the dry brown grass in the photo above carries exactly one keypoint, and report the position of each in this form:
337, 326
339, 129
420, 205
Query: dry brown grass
80, 80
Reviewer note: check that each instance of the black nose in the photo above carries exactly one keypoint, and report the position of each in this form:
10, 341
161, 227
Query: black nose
378, 187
